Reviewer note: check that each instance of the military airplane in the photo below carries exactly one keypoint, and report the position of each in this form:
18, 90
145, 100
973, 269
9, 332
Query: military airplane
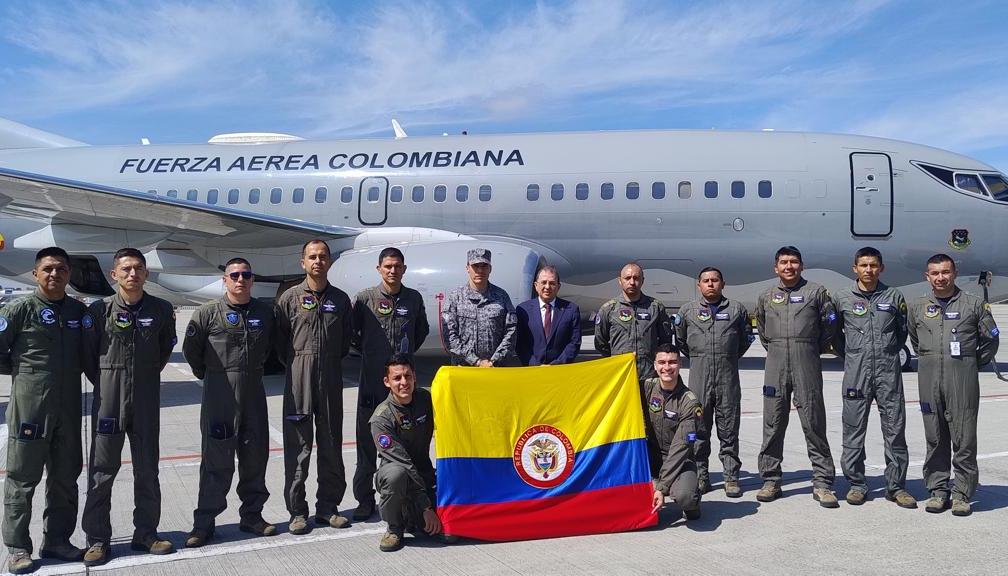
586, 202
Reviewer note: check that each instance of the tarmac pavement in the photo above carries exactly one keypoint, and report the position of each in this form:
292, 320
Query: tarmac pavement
735, 536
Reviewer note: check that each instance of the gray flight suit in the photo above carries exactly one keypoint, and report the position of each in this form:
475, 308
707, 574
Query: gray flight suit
950, 385
480, 326
405, 479
41, 348
671, 418
383, 324
313, 337
871, 332
639, 327
226, 346
714, 338
126, 351
796, 325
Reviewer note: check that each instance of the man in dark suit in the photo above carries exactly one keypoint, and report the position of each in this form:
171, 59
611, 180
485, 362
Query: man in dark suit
549, 328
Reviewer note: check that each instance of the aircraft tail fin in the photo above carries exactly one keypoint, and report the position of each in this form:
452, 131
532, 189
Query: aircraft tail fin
14, 135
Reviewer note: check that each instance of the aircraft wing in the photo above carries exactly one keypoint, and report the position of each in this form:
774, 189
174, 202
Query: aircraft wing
69, 201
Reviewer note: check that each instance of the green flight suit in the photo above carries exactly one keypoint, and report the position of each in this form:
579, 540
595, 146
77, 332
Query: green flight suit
952, 341
41, 348
383, 324
671, 419
127, 347
226, 346
639, 327
313, 337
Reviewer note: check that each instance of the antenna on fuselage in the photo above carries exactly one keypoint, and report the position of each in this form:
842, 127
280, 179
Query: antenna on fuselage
399, 132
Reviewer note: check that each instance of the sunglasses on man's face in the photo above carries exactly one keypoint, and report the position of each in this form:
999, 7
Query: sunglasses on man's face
244, 274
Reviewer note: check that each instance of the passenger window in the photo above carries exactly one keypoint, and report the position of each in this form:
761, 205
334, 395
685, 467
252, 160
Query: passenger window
275, 194
346, 194
396, 193
607, 190
211, 196
152, 192
254, 196
967, 182
418, 194
557, 191
532, 192
440, 193
764, 189
191, 194
658, 190
632, 191
298, 196
485, 192
373, 193
172, 194
710, 189
233, 196
462, 193
738, 189
320, 194
581, 191
685, 190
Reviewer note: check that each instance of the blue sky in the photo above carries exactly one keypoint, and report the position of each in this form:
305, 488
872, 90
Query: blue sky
181, 71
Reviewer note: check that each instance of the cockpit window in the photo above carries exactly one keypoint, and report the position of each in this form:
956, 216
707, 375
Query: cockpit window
997, 185
969, 183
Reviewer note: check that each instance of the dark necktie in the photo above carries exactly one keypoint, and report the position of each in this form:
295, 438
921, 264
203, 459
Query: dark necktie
548, 320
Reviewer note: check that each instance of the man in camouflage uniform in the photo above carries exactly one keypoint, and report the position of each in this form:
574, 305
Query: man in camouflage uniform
635, 322
479, 321
226, 344
872, 330
796, 320
314, 328
714, 332
40, 347
128, 342
671, 420
401, 428
388, 318
954, 335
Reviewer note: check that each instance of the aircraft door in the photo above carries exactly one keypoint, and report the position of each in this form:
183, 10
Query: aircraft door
372, 201
871, 194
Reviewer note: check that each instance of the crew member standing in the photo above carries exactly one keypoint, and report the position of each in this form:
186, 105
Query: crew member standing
714, 332
872, 331
128, 342
954, 335
314, 328
40, 347
796, 320
226, 344
634, 322
479, 321
388, 318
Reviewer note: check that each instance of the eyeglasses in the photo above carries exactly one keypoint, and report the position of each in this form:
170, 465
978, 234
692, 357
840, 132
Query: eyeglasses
244, 275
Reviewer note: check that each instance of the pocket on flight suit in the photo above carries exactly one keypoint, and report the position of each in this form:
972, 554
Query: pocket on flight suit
221, 443
26, 413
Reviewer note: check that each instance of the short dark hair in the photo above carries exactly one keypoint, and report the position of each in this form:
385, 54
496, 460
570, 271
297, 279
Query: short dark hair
129, 253
548, 268
52, 252
390, 252
315, 241
939, 258
710, 269
868, 252
399, 359
787, 251
237, 260
667, 348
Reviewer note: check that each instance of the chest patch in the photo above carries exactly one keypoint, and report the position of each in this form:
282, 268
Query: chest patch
328, 306
796, 299
860, 308
255, 323
644, 316
778, 298
232, 318
721, 316
87, 322
47, 316
73, 324
655, 405
931, 311
384, 307
884, 307
145, 322
406, 424
421, 419
308, 302
703, 314
402, 311
123, 319
670, 414
951, 315
625, 315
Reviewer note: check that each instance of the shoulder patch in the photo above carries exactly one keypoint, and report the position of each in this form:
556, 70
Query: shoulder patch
384, 441
3, 323
698, 411
191, 329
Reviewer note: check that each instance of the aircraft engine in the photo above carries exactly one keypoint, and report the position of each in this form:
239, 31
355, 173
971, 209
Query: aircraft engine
435, 268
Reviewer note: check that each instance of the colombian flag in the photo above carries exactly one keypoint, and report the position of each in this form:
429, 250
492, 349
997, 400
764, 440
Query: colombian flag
541, 452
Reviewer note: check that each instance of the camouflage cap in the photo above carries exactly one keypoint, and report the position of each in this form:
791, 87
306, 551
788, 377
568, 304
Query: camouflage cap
479, 256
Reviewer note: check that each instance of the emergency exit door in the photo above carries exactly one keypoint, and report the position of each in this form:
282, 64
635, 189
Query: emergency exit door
372, 201
871, 194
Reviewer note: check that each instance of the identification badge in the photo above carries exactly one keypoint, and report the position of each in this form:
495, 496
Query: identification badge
145, 322
402, 311
670, 414
421, 419
951, 315
796, 299
255, 323
643, 315
73, 324
883, 306
955, 349
721, 316
328, 306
